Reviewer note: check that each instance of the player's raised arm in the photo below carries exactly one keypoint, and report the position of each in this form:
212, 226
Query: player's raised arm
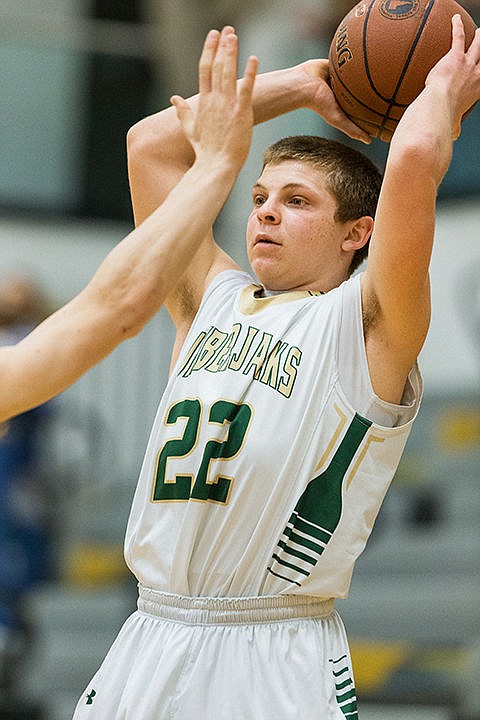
137, 276
395, 287
159, 153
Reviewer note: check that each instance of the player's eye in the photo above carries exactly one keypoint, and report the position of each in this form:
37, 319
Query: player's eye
297, 201
258, 200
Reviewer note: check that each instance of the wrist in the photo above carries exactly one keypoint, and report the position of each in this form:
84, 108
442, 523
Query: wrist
440, 105
312, 71
220, 172
282, 91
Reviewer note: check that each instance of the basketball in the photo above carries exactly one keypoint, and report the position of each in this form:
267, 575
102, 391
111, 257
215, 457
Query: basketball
381, 54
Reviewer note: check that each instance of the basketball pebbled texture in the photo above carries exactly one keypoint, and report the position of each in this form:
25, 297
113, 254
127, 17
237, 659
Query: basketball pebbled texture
381, 54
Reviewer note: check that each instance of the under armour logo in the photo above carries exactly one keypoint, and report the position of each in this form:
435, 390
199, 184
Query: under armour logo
90, 697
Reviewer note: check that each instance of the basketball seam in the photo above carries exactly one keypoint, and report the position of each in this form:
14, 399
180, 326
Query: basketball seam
360, 102
334, 71
365, 54
413, 47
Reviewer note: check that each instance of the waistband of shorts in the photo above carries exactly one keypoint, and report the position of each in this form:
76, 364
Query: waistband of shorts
231, 610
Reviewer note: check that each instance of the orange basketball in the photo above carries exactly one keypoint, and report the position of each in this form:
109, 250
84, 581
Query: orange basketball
381, 54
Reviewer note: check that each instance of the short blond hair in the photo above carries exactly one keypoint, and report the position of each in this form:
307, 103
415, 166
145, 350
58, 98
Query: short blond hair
352, 178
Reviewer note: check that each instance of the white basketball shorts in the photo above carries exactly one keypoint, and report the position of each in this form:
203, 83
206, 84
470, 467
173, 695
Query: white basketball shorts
264, 658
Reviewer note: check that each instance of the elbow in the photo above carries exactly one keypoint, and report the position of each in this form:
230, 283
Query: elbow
140, 140
135, 313
152, 135
136, 133
159, 138
126, 327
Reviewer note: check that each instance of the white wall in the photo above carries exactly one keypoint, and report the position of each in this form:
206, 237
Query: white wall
451, 356
43, 109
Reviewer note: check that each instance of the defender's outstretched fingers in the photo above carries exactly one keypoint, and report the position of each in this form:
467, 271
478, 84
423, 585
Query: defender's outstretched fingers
206, 60
184, 112
220, 57
245, 89
230, 65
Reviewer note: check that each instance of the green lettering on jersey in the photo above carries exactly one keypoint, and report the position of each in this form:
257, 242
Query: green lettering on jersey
179, 487
292, 364
259, 356
232, 421
238, 417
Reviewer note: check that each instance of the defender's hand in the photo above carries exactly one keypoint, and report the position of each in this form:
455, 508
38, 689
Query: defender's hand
220, 127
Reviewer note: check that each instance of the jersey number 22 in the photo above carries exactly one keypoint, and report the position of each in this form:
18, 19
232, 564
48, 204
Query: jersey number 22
200, 486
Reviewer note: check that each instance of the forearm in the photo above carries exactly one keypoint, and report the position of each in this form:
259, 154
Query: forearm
142, 270
159, 153
128, 288
401, 245
396, 284
423, 142
275, 93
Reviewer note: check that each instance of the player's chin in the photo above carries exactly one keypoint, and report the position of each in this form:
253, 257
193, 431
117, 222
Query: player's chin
266, 271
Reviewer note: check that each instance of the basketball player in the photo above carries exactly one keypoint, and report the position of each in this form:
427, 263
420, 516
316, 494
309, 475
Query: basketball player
290, 397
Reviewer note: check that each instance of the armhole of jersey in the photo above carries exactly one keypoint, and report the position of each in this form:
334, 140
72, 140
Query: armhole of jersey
353, 373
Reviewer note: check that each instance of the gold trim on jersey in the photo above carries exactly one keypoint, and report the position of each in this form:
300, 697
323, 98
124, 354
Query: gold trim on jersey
371, 439
334, 438
251, 301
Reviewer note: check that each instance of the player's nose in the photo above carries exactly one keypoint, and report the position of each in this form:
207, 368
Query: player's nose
268, 212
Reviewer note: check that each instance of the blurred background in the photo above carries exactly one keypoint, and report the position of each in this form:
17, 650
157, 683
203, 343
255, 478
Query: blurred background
74, 76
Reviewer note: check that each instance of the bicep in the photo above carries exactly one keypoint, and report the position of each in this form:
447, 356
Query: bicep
31, 375
183, 303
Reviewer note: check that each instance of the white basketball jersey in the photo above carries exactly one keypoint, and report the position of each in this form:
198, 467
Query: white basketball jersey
270, 455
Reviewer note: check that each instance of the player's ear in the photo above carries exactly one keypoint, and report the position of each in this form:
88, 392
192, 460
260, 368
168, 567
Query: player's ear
357, 233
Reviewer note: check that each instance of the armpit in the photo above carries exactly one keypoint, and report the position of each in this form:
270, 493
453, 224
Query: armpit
370, 313
184, 299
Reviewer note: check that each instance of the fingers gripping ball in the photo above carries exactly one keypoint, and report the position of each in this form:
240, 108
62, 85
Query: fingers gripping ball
381, 54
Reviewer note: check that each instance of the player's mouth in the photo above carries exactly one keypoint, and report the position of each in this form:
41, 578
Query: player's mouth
264, 240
